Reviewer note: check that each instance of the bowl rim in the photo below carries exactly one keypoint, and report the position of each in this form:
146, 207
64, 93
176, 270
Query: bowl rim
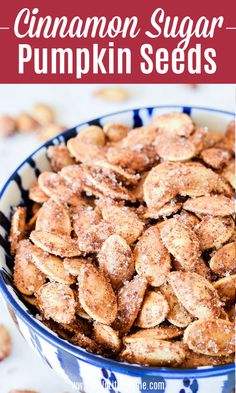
80, 353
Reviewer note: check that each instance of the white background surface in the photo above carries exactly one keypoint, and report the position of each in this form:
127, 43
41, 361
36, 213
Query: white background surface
74, 104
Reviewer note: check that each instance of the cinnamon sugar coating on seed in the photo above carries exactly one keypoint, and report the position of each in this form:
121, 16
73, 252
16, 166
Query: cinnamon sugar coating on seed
153, 311
127, 176
57, 301
107, 337
135, 160
200, 267
56, 187
213, 337
167, 210
125, 221
129, 298
228, 140
74, 176
85, 342
174, 148
51, 266
92, 135
59, 157
158, 332
228, 173
157, 187
84, 152
214, 205
213, 231
154, 352
152, 259
91, 230
116, 260
203, 138
177, 315
115, 131
215, 157
53, 217
174, 124
27, 277
196, 294
223, 260
55, 244
139, 138
194, 359
74, 265
105, 183
96, 295
127, 246
226, 289
18, 228
194, 180
36, 194
181, 241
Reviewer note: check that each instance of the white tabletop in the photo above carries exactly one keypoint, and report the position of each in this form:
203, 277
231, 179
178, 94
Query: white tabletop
73, 104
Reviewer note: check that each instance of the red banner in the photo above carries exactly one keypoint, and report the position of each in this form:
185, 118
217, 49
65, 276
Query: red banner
142, 41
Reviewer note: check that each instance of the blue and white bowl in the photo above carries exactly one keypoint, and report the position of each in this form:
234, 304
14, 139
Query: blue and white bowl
88, 372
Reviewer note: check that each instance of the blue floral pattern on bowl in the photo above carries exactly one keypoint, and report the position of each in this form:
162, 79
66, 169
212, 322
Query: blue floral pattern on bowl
109, 381
191, 385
